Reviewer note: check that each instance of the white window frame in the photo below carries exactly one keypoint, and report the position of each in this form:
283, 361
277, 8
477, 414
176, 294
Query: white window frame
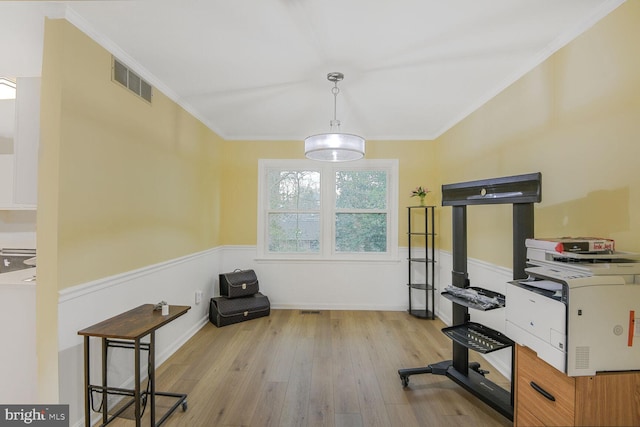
327, 208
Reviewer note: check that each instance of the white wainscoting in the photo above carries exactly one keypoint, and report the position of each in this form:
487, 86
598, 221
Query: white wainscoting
326, 285
175, 282
344, 285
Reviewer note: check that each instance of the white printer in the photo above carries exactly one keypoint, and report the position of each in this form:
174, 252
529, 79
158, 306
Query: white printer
579, 312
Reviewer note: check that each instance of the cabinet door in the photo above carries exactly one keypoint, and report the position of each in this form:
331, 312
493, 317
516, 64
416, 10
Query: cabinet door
6, 180
608, 399
542, 391
27, 141
7, 185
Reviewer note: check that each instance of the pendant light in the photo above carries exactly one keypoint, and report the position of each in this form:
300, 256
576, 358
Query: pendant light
334, 146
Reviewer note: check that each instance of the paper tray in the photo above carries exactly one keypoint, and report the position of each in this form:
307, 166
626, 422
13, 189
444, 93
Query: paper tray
478, 337
481, 291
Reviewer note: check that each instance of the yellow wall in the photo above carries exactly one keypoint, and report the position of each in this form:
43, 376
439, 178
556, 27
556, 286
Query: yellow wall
122, 183
240, 175
138, 182
576, 119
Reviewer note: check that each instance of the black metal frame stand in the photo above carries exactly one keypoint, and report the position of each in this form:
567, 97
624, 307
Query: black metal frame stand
521, 191
428, 233
126, 330
138, 397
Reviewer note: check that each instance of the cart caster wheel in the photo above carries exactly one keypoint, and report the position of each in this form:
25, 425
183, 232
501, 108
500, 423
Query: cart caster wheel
184, 406
405, 381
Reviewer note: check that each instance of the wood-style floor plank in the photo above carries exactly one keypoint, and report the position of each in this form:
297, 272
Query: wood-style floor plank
333, 369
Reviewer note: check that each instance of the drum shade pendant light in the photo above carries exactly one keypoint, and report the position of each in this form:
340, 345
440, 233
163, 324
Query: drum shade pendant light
334, 146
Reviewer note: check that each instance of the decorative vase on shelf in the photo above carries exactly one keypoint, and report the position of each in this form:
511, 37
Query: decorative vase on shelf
420, 192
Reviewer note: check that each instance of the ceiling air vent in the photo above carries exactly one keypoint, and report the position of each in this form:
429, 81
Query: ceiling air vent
127, 78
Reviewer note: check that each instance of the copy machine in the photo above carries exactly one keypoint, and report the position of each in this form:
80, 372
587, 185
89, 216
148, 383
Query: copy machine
579, 312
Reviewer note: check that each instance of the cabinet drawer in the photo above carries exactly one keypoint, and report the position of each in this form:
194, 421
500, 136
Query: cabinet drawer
524, 418
535, 378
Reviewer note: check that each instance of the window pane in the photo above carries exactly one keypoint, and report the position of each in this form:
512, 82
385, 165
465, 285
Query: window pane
361, 190
361, 232
291, 232
294, 190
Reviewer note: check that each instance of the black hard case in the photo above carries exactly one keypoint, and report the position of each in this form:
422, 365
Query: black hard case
239, 283
226, 311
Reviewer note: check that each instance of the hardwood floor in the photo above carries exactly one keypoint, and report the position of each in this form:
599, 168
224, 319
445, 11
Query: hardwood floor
335, 368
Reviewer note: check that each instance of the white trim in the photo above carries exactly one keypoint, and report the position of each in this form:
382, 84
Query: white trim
176, 281
340, 307
101, 284
180, 341
481, 264
327, 261
77, 20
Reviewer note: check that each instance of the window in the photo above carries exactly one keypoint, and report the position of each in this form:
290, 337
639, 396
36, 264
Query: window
314, 210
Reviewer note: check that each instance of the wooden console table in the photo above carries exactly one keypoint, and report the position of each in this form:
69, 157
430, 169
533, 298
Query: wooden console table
126, 331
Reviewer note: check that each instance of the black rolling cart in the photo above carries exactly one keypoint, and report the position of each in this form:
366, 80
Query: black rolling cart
522, 191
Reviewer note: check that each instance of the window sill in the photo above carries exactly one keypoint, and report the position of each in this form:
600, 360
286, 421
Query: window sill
328, 260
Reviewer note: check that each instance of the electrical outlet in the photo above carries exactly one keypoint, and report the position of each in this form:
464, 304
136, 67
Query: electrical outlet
198, 297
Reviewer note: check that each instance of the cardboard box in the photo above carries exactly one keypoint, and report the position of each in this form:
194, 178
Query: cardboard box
573, 244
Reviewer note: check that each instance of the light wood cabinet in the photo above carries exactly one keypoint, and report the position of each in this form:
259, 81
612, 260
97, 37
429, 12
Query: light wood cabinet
545, 396
545, 392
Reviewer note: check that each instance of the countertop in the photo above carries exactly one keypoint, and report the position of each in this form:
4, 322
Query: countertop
18, 277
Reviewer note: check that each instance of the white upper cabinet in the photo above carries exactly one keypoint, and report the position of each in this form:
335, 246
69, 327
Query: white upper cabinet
19, 141
27, 141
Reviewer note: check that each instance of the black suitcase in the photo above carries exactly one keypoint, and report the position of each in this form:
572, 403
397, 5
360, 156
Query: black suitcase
239, 283
226, 311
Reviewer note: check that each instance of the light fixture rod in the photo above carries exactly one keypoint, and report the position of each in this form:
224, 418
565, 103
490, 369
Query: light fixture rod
335, 91
335, 77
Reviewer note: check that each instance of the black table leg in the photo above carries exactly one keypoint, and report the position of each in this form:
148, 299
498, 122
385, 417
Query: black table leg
105, 362
152, 376
136, 393
87, 391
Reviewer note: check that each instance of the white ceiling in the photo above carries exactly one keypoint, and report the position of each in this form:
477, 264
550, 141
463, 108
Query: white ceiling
256, 69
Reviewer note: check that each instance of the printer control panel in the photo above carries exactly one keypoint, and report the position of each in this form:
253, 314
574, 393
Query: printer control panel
562, 275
